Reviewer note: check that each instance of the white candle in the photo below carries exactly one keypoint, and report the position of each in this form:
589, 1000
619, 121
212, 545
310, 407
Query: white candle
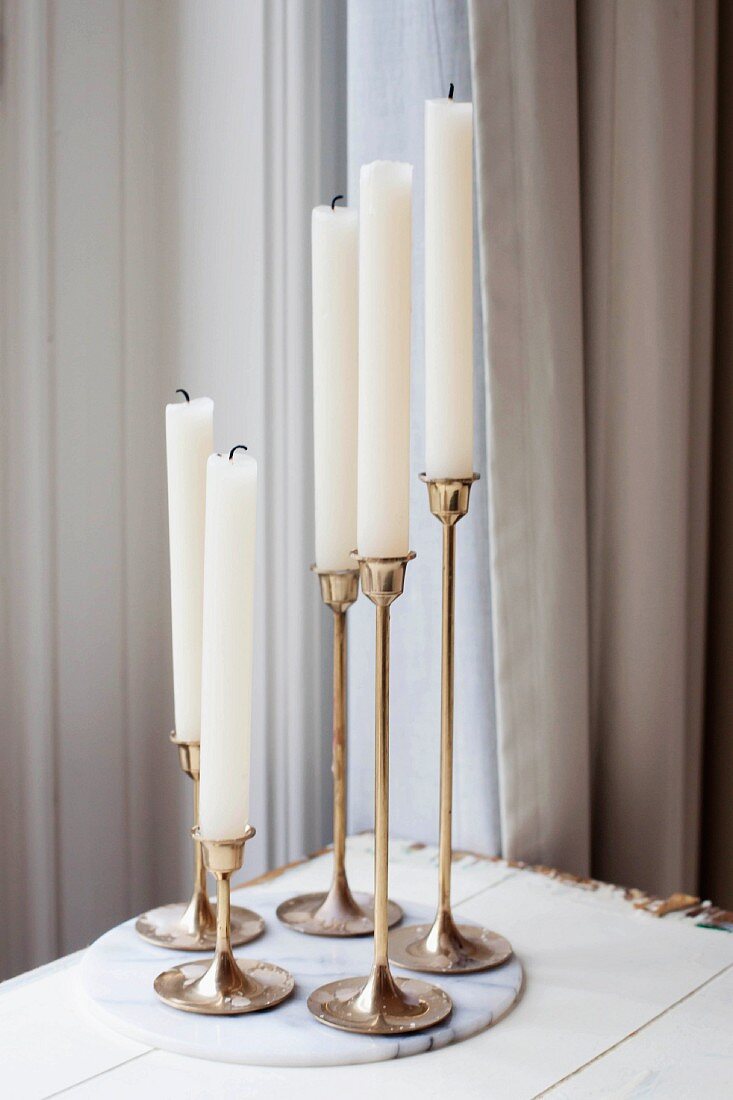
448, 288
335, 244
226, 689
189, 442
385, 255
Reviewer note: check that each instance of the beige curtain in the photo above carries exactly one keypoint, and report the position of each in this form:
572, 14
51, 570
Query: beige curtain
595, 144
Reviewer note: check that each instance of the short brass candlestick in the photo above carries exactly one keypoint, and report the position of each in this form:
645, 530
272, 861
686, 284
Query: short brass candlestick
445, 947
337, 912
224, 986
380, 1004
192, 926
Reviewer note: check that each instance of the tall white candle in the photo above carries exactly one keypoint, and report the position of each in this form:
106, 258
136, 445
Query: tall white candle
226, 695
448, 288
385, 255
189, 442
335, 244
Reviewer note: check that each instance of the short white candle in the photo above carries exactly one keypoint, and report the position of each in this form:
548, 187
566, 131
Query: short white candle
189, 442
335, 245
448, 288
226, 695
385, 277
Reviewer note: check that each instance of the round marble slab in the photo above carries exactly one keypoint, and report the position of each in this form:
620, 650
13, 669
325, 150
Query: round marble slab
117, 974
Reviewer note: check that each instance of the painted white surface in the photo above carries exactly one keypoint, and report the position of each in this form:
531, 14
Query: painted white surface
598, 974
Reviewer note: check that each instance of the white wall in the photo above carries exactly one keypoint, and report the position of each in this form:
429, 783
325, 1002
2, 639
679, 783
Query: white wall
162, 159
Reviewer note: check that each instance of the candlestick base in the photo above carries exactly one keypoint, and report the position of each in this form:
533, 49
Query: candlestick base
336, 913
192, 927
380, 1004
212, 989
445, 947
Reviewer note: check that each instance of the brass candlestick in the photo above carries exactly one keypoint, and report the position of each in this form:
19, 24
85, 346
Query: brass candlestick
445, 947
337, 912
224, 986
192, 926
380, 1004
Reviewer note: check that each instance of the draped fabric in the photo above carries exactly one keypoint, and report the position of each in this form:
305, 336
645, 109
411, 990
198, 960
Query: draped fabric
399, 54
596, 142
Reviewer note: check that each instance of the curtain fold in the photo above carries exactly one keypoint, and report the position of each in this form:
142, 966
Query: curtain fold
525, 92
595, 129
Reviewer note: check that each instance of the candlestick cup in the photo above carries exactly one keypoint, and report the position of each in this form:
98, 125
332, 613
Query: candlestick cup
446, 947
379, 1004
337, 912
223, 985
191, 926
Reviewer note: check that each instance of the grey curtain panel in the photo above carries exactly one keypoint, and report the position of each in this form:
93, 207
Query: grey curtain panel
401, 52
596, 141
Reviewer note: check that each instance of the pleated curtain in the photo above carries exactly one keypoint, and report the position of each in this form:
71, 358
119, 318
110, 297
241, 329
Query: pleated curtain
595, 159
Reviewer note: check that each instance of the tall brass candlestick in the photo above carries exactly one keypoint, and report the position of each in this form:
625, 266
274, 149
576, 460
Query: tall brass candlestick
380, 1004
338, 912
223, 985
445, 947
192, 926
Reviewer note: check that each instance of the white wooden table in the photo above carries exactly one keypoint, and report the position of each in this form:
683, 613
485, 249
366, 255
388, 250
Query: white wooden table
618, 1002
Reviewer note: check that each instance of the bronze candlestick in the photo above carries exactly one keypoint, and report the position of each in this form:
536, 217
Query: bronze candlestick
338, 912
445, 947
191, 926
380, 1004
223, 985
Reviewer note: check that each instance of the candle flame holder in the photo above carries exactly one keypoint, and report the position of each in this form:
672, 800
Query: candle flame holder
380, 1004
191, 926
338, 912
446, 947
223, 985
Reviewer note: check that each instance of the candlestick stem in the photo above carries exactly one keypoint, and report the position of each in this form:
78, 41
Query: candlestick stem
223, 986
338, 763
338, 912
445, 947
198, 920
192, 926
379, 1004
446, 715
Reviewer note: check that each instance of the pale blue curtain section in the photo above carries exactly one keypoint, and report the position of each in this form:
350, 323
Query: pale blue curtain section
400, 54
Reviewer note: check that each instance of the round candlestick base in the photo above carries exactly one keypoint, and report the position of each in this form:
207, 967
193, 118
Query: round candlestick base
213, 988
177, 927
334, 914
380, 1004
448, 948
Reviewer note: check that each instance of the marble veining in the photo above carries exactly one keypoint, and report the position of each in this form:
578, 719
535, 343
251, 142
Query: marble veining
116, 985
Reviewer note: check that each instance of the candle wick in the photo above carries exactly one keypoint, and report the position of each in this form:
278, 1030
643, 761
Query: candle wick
334, 200
185, 394
239, 447
450, 92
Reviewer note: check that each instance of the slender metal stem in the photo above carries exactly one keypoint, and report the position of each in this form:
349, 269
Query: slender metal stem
199, 875
223, 913
381, 787
446, 717
338, 765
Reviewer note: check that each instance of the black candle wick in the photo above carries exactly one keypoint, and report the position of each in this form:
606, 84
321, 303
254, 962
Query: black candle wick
185, 394
450, 92
239, 447
334, 200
